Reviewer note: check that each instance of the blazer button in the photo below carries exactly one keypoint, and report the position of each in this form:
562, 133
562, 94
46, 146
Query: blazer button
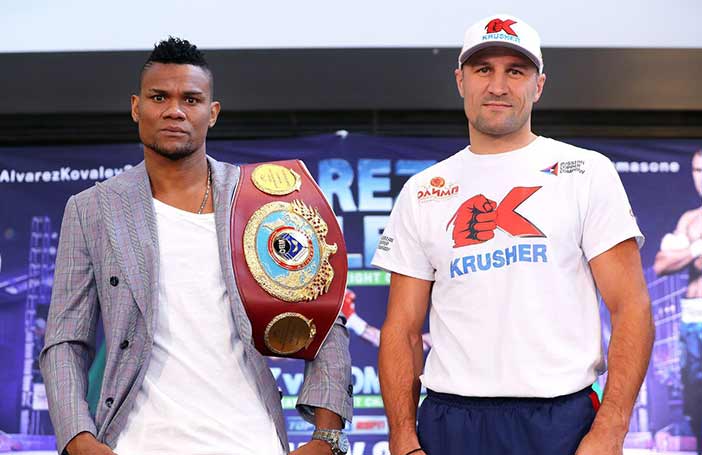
349, 390
109, 402
124, 344
114, 281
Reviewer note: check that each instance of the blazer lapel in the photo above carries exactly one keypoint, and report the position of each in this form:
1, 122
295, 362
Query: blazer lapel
225, 177
127, 210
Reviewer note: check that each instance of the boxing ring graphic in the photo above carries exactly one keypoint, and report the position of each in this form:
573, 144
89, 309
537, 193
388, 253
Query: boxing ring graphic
35, 429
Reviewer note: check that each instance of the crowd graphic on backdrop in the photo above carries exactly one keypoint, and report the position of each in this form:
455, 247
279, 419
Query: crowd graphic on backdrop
667, 414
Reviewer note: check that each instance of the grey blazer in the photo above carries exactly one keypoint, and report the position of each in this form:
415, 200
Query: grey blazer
107, 263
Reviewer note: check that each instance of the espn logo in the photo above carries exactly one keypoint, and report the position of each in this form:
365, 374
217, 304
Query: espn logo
370, 425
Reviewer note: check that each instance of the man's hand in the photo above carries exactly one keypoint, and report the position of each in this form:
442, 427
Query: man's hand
601, 442
86, 444
403, 441
314, 447
349, 306
474, 221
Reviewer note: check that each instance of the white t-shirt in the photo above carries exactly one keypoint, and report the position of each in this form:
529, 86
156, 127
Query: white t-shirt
516, 314
195, 398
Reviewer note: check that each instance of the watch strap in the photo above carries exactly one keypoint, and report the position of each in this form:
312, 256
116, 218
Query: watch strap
331, 437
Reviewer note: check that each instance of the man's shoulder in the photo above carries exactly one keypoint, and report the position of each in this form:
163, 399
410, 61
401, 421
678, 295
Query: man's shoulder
573, 152
225, 173
88, 198
575, 160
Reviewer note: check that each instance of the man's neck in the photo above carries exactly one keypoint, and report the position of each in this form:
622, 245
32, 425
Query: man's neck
486, 144
181, 183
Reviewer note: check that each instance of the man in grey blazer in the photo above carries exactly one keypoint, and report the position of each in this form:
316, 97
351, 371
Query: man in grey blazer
113, 260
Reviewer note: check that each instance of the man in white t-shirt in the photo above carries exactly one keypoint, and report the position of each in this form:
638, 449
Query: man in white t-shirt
510, 239
149, 251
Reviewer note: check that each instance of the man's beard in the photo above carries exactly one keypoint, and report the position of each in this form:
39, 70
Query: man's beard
180, 152
514, 122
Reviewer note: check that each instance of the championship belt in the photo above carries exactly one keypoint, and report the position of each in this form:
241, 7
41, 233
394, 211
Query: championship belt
289, 258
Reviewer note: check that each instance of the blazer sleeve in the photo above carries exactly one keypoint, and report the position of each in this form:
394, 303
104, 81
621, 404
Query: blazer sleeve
70, 333
327, 381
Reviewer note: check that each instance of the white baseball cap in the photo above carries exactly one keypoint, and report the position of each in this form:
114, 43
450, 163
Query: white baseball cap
505, 31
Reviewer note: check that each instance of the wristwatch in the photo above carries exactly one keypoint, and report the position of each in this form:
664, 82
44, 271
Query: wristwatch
335, 438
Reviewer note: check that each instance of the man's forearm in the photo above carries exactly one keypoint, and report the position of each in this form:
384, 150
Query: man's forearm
400, 362
327, 420
629, 354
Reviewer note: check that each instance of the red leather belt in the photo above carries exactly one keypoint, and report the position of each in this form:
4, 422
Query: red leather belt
289, 258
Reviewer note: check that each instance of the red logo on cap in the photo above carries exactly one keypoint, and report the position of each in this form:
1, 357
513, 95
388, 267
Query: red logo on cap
498, 25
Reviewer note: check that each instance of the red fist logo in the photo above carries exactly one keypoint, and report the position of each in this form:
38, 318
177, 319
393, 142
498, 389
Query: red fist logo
477, 218
474, 221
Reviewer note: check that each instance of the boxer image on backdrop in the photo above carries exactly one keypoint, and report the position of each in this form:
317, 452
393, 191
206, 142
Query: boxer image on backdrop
149, 252
511, 238
368, 332
679, 250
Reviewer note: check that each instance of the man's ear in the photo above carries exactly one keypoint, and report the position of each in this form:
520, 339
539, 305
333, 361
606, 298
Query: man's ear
135, 108
540, 81
459, 81
214, 112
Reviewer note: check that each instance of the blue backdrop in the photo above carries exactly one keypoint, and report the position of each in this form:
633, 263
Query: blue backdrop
360, 175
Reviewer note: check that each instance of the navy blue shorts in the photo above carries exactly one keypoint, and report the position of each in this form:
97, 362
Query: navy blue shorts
455, 425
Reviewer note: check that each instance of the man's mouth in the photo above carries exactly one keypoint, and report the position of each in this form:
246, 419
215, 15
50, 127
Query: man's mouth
497, 105
174, 131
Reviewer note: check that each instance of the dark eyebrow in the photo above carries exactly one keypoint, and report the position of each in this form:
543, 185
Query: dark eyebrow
522, 66
159, 91
479, 63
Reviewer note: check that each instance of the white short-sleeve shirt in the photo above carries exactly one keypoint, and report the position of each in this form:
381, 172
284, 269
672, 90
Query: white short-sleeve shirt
514, 314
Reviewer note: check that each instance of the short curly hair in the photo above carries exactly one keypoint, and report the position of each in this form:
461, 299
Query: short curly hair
180, 52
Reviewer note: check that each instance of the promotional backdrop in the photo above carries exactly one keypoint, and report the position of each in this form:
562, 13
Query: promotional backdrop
360, 175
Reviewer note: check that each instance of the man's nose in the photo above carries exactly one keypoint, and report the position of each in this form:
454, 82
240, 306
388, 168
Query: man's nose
498, 84
174, 110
